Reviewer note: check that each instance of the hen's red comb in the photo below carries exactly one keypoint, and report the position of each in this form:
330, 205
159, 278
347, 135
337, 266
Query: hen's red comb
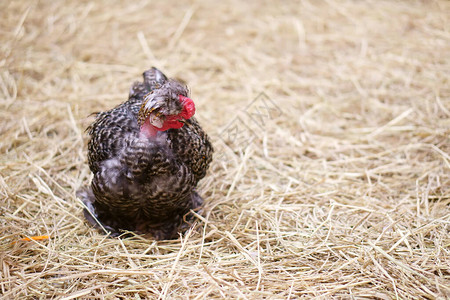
188, 107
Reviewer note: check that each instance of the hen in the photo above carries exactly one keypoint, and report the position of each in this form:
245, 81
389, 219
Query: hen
147, 156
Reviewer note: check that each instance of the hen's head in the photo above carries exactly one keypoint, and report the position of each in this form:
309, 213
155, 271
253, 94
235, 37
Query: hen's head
166, 106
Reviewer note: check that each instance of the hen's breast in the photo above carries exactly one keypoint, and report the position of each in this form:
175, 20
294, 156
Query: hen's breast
140, 176
155, 196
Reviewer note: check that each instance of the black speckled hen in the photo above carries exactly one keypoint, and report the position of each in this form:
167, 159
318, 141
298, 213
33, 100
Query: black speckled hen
147, 156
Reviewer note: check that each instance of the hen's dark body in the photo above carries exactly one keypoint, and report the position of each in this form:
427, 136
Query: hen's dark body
143, 184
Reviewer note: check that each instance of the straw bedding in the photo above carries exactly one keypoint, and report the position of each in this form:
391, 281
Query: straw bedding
331, 124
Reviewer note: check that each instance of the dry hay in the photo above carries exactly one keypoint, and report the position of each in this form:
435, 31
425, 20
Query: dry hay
342, 192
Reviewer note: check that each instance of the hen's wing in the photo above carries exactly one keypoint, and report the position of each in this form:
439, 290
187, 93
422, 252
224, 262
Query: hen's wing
109, 134
112, 129
192, 145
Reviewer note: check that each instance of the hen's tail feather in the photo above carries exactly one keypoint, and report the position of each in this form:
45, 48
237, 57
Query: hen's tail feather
153, 79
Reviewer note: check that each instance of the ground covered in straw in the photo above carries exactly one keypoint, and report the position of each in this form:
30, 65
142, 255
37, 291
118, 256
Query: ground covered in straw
331, 123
